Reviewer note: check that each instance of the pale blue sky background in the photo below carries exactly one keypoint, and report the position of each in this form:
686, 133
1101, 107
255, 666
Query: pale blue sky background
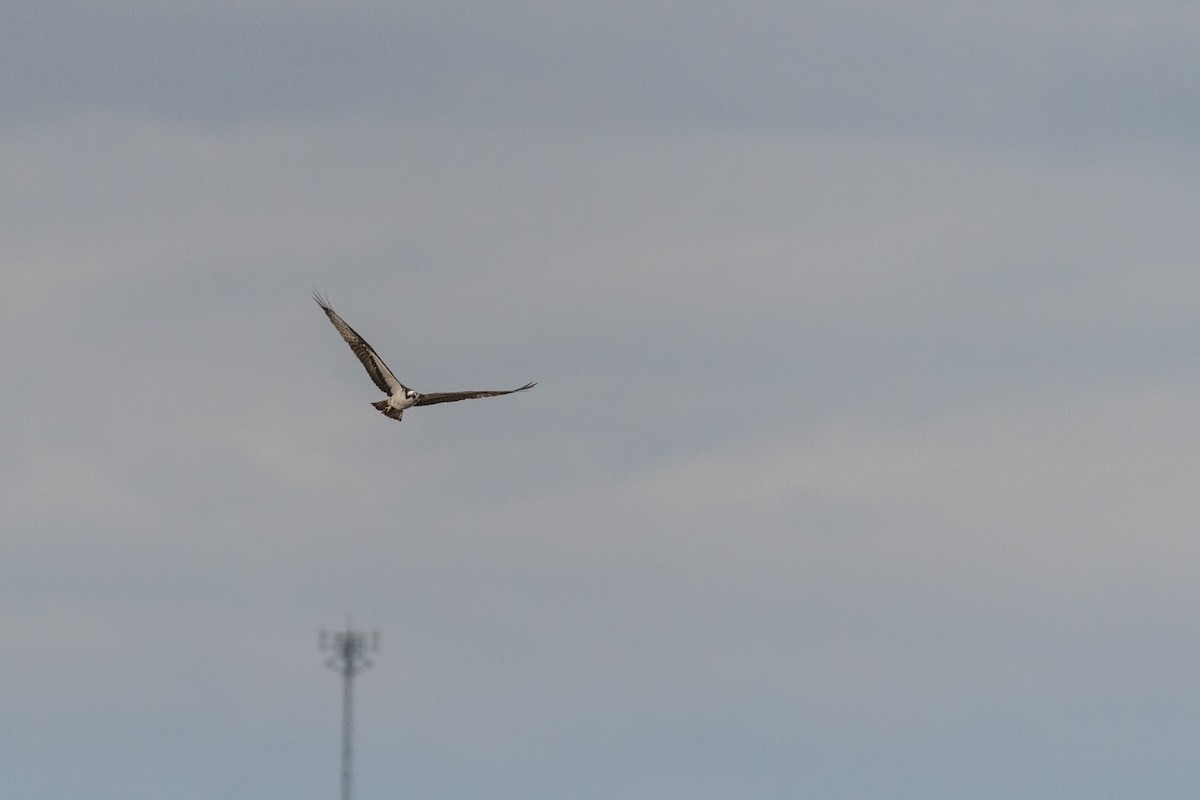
863, 461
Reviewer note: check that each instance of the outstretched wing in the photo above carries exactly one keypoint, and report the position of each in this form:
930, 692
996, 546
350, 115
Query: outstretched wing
379, 372
453, 397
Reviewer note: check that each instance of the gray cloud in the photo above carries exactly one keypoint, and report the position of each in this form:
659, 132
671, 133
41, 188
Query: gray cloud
860, 461
1068, 78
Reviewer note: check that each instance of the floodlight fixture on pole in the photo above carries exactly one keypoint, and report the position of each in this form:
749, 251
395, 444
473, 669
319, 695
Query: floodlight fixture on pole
351, 651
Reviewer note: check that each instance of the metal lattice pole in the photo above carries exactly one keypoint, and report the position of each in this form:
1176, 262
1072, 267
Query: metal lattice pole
350, 657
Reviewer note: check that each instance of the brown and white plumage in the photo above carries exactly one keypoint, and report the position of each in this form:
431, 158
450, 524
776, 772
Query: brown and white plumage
400, 396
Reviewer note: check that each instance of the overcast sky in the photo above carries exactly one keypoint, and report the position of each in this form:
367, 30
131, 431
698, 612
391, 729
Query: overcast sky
863, 460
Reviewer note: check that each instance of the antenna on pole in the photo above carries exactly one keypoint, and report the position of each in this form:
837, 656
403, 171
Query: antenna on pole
351, 651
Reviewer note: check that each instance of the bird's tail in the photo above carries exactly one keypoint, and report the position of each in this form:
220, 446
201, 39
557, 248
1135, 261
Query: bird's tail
388, 411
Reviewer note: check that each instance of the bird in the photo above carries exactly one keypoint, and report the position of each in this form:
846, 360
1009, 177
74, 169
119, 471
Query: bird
399, 396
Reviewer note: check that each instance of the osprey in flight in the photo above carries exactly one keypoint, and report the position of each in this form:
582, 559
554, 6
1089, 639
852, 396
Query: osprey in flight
400, 396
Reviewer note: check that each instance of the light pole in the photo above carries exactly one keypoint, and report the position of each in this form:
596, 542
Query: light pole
351, 651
